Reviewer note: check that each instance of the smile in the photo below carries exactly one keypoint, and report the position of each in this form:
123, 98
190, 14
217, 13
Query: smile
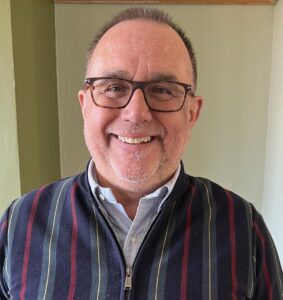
129, 140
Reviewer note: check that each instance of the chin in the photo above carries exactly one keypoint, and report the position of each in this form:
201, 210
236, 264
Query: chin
141, 178
135, 175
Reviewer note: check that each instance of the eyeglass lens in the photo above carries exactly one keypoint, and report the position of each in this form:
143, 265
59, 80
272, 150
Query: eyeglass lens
116, 93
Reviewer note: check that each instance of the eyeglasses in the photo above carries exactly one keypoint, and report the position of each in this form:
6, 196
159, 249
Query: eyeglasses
162, 96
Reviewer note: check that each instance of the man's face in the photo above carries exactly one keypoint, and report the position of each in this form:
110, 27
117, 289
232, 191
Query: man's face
135, 149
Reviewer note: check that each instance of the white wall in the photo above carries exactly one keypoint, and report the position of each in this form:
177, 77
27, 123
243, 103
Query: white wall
233, 45
272, 206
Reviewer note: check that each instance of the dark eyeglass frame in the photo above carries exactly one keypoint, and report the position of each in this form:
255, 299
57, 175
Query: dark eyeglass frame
139, 85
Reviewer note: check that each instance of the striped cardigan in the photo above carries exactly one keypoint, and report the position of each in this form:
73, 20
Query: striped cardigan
206, 243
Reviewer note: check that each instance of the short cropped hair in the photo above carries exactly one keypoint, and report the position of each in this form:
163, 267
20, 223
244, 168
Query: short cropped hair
145, 13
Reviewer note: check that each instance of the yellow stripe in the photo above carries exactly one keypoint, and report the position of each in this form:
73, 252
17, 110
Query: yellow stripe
98, 253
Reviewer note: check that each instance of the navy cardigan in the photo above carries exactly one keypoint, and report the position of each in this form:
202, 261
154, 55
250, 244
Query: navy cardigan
206, 243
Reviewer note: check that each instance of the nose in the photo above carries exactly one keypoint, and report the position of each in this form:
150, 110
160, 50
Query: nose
137, 109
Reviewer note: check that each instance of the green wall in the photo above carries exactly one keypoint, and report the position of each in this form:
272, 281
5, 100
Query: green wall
32, 53
9, 157
36, 96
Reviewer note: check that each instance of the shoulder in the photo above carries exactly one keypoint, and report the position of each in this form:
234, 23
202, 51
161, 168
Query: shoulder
215, 191
235, 223
224, 201
211, 194
46, 191
43, 198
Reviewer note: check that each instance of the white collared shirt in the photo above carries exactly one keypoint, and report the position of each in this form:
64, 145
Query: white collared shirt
129, 233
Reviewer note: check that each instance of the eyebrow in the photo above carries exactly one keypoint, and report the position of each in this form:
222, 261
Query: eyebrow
155, 77
164, 76
117, 74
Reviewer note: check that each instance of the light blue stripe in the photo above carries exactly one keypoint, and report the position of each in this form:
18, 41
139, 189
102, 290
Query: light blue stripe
157, 288
206, 242
98, 261
211, 254
47, 278
250, 283
15, 208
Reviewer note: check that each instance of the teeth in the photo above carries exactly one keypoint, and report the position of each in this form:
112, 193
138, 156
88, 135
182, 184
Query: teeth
129, 140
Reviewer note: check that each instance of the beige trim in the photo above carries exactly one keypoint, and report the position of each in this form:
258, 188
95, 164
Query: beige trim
172, 1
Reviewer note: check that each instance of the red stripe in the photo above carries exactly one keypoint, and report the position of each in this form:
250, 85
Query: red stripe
73, 246
186, 248
4, 225
265, 269
28, 242
232, 245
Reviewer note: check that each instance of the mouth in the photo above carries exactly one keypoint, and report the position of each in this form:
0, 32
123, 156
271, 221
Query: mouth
135, 140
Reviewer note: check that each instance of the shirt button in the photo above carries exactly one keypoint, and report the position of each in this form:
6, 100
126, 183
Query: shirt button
134, 239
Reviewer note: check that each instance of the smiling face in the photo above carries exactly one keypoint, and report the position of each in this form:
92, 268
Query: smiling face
134, 149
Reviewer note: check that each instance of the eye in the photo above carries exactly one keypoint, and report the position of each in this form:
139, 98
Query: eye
161, 90
115, 88
116, 91
112, 88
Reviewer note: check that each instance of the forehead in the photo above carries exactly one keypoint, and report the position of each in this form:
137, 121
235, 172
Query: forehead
138, 46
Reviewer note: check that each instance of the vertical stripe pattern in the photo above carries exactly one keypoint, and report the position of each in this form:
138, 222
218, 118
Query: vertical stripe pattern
50, 243
96, 288
186, 248
265, 268
73, 246
28, 243
207, 257
162, 255
232, 244
206, 243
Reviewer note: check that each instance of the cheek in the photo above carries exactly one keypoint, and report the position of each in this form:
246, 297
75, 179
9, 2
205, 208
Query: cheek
94, 128
95, 138
178, 134
177, 126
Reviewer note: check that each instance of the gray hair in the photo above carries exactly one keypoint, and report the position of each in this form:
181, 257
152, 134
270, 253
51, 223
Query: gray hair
145, 13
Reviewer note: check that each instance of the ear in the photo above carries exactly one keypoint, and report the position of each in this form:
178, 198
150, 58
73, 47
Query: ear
83, 101
195, 109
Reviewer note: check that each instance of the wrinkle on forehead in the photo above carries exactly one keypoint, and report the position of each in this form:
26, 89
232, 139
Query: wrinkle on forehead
121, 74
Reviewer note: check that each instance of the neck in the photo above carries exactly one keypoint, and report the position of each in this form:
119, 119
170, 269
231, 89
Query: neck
129, 200
130, 193
129, 197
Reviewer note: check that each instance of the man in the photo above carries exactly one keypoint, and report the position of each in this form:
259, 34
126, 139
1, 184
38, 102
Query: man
134, 225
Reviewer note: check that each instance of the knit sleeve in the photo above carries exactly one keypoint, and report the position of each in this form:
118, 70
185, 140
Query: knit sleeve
268, 277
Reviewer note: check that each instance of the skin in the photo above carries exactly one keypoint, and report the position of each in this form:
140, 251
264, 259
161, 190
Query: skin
143, 51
